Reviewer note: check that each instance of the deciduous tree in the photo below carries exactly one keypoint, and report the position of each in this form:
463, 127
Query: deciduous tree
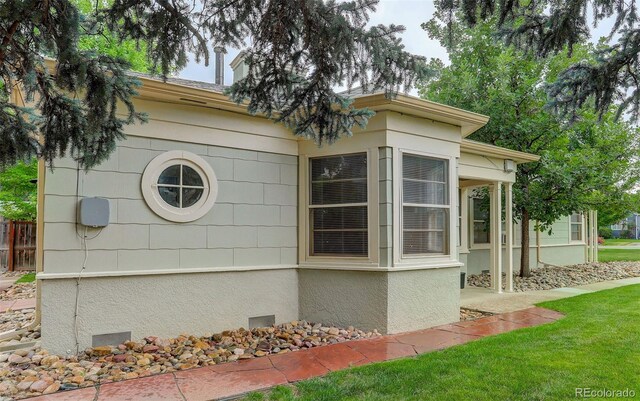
508, 85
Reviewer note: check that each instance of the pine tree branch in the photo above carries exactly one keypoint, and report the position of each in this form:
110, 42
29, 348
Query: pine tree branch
7, 39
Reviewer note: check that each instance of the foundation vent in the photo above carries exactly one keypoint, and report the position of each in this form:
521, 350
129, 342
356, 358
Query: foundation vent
262, 321
110, 338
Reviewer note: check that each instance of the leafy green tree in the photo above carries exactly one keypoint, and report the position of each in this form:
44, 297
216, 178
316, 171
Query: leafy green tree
544, 27
298, 51
488, 77
18, 192
102, 41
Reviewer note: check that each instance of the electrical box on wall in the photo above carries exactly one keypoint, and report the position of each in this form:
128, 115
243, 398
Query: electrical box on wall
94, 212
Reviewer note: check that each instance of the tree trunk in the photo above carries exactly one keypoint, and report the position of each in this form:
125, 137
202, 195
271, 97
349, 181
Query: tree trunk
525, 270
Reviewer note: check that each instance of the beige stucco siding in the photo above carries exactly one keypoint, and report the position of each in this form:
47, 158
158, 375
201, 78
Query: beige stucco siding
163, 305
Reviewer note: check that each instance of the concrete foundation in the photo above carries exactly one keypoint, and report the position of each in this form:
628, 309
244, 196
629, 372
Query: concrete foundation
390, 302
163, 305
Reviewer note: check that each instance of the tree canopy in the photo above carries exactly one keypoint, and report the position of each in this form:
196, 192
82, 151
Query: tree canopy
17, 191
298, 51
577, 161
543, 27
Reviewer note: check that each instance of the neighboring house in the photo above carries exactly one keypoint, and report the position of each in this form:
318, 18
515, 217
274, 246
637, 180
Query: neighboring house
627, 228
219, 219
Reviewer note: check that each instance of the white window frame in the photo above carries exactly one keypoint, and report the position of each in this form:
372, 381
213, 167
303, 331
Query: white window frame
582, 229
424, 260
472, 221
330, 261
149, 186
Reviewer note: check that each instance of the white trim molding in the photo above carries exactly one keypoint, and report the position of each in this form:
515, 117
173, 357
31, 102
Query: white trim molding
151, 194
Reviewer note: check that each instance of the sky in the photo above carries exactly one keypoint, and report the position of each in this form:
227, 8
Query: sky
410, 13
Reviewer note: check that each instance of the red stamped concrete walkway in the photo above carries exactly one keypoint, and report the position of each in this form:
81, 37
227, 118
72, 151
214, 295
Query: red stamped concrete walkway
237, 378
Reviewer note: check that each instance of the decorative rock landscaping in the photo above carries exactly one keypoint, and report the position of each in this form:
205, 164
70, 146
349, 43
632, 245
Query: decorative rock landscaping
19, 291
472, 314
547, 278
28, 372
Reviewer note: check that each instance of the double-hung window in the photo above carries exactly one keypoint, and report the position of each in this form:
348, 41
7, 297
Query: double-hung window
481, 234
338, 214
576, 227
425, 205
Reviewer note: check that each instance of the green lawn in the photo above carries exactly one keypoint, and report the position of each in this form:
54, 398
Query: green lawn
619, 241
27, 278
595, 346
613, 255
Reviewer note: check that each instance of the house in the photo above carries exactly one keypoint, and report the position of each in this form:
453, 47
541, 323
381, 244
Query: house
627, 228
218, 219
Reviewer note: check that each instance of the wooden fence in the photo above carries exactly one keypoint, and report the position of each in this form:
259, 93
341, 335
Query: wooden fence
17, 245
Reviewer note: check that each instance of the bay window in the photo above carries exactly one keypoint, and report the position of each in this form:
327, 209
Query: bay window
338, 213
425, 205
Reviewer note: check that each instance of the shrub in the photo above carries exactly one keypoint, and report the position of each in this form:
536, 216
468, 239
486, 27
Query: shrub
605, 232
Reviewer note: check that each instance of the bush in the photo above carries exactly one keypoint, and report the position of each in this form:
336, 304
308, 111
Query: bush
626, 234
605, 232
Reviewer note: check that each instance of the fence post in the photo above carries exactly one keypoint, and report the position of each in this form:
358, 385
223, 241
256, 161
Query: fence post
11, 245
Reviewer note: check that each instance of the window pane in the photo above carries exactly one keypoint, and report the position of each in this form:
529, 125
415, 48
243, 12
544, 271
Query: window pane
170, 175
423, 168
424, 218
339, 167
424, 192
421, 242
576, 218
171, 195
480, 209
342, 243
191, 177
339, 218
480, 232
190, 196
576, 232
425, 182
333, 193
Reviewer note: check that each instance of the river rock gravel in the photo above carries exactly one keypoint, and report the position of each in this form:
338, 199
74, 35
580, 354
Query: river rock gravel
33, 371
547, 278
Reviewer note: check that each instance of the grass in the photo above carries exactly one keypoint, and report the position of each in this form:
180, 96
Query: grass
27, 278
619, 241
594, 346
615, 255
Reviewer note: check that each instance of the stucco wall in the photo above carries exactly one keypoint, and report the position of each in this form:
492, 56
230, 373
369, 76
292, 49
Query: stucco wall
391, 301
478, 259
253, 222
344, 298
164, 305
423, 298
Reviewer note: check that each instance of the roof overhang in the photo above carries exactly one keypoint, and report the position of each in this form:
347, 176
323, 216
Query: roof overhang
468, 121
483, 149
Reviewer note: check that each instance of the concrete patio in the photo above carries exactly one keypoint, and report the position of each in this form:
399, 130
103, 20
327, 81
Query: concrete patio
485, 299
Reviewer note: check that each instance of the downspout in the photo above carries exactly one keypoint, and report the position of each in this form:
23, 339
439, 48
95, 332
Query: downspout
8, 335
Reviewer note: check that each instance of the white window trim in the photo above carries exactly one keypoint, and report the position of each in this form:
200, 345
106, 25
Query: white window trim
304, 250
425, 260
583, 231
472, 221
159, 206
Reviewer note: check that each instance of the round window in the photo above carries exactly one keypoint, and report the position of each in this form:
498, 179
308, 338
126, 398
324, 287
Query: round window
179, 186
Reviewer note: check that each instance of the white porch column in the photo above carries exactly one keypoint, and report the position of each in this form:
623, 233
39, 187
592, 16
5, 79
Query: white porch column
595, 234
508, 218
464, 219
496, 236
